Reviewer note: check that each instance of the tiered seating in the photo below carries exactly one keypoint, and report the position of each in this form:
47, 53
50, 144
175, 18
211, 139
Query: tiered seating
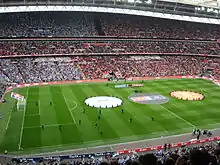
69, 24
73, 47
46, 69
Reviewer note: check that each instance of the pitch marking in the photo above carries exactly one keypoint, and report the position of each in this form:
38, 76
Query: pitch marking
177, 116
49, 125
107, 145
74, 106
8, 122
22, 125
69, 108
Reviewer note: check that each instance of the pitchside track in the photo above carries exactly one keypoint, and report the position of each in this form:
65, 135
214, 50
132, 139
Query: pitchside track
22, 132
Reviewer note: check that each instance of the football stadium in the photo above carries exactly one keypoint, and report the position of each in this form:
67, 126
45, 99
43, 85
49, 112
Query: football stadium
90, 82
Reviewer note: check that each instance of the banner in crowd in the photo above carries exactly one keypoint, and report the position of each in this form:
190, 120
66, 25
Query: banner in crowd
17, 96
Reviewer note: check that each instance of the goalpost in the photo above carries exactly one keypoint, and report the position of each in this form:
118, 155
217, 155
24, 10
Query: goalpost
21, 101
21, 105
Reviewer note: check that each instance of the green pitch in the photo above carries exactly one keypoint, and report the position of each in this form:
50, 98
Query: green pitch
22, 132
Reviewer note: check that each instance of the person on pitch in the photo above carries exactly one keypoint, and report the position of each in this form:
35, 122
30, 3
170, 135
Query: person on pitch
60, 127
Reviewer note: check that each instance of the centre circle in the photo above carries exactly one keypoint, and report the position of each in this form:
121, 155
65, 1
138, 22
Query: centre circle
148, 98
103, 102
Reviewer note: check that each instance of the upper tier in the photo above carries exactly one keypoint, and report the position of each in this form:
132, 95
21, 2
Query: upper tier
75, 24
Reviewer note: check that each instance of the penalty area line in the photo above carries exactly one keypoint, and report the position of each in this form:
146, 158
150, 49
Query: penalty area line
177, 116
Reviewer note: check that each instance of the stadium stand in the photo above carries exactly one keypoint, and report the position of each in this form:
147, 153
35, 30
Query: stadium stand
46, 24
2, 89
124, 25
65, 24
47, 69
64, 68
74, 47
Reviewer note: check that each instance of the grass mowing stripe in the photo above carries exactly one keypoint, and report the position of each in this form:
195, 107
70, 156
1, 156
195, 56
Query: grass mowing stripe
22, 125
39, 107
68, 107
84, 135
79, 114
178, 116
103, 125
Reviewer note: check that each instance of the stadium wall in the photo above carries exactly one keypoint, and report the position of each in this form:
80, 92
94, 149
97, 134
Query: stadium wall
173, 145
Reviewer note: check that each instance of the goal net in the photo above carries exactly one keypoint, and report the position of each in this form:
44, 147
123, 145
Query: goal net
21, 105
21, 101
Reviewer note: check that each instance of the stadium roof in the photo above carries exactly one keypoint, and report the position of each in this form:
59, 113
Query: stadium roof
205, 3
185, 10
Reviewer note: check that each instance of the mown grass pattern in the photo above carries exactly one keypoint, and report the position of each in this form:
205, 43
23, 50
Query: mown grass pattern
67, 99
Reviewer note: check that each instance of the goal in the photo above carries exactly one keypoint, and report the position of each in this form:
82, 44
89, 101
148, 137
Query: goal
21, 105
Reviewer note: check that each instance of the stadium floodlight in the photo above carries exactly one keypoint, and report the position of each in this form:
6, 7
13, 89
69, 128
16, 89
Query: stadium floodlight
210, 10
149, 1
197, 8
131, 1
137, 1
216, 11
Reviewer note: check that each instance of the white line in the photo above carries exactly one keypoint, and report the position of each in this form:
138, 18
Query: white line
22, 126
49, 125
104, 145
177, 116
8, 122
69, 108
100, 146
39, 107
74, 106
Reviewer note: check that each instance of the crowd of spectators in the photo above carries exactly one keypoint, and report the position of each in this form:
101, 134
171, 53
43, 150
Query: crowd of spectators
46, 24
28, 70
126, 25
2, 89
73, 24
147, 66
73, 47
70, 24
207, 154
47, 69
